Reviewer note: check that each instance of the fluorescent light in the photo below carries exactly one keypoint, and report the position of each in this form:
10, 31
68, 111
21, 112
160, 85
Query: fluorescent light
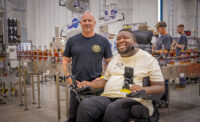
158, 10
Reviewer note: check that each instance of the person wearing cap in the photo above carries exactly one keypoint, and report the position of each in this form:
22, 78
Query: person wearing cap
163, 46
164, 42
182, 43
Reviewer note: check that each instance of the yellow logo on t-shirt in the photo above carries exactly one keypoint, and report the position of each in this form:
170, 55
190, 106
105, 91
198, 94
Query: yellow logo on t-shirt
96, 48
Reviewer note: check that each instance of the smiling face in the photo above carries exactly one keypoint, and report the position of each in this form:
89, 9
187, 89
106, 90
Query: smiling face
125, 42
87, 23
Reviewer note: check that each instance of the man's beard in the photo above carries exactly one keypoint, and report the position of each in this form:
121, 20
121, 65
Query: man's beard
127, 51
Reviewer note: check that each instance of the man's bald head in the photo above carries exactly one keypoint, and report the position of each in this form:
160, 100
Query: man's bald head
87, 13
87, 23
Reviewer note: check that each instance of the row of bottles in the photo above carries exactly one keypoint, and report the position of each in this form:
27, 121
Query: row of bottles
38, 54
186, 56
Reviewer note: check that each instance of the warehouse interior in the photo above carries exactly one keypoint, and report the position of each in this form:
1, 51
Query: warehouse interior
34, 35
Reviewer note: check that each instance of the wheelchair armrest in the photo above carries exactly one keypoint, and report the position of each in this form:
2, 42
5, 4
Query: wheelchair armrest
144, 95
96, 91
83, 89
89, 91
139, 94
154, 97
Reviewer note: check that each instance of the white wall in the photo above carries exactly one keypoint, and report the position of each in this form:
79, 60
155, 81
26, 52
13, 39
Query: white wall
17, 9
94, 8
143, 11
199, 17
121, 5
135, 11
42, 18
44, 15
184, 10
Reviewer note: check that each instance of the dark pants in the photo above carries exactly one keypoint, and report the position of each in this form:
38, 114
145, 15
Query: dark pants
73, 106
112, 110
165, 96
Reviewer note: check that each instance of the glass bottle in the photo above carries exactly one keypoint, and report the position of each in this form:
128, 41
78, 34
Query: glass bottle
50, 53
45, 53
34, 53
39, 53
56, 54
31, 53
182, 56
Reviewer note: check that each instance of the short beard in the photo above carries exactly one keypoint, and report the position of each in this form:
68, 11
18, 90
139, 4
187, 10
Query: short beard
127, 51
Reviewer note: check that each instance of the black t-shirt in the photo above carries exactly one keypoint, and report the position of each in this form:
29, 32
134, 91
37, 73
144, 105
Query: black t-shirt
164, 42
183, 41
87, 54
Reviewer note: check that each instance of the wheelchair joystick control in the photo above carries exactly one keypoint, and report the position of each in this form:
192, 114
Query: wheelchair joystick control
128, 79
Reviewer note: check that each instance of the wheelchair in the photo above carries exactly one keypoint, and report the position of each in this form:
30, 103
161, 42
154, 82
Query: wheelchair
85, 92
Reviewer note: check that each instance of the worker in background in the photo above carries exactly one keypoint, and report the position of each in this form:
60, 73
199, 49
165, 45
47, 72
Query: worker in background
85, 51
182, 43
163, 44
110, 103
162, 48
143, 27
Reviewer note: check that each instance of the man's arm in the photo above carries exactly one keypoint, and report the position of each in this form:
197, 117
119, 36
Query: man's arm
154, 88
160, 51
182, 43
66, 62
100, 83
107, 60
167, 46
180, 46
156, 79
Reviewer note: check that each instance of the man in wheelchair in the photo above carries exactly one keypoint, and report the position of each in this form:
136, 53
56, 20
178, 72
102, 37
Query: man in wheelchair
115, 103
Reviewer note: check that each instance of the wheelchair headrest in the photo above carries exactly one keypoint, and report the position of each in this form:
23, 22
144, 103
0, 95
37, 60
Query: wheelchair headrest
143, 37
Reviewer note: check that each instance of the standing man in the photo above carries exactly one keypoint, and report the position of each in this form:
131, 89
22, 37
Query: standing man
163, 46
87, 51
182, 43
164, 42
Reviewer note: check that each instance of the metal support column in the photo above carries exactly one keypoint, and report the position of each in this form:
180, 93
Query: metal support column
25, 92
38, 87
20, 86
67, 97
171, 17
196, 24
58, 95
33, 88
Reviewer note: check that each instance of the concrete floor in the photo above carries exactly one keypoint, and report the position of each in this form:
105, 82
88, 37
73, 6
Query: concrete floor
184, 106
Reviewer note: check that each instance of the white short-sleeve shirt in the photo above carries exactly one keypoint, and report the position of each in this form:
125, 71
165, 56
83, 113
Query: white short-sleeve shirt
144, 65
